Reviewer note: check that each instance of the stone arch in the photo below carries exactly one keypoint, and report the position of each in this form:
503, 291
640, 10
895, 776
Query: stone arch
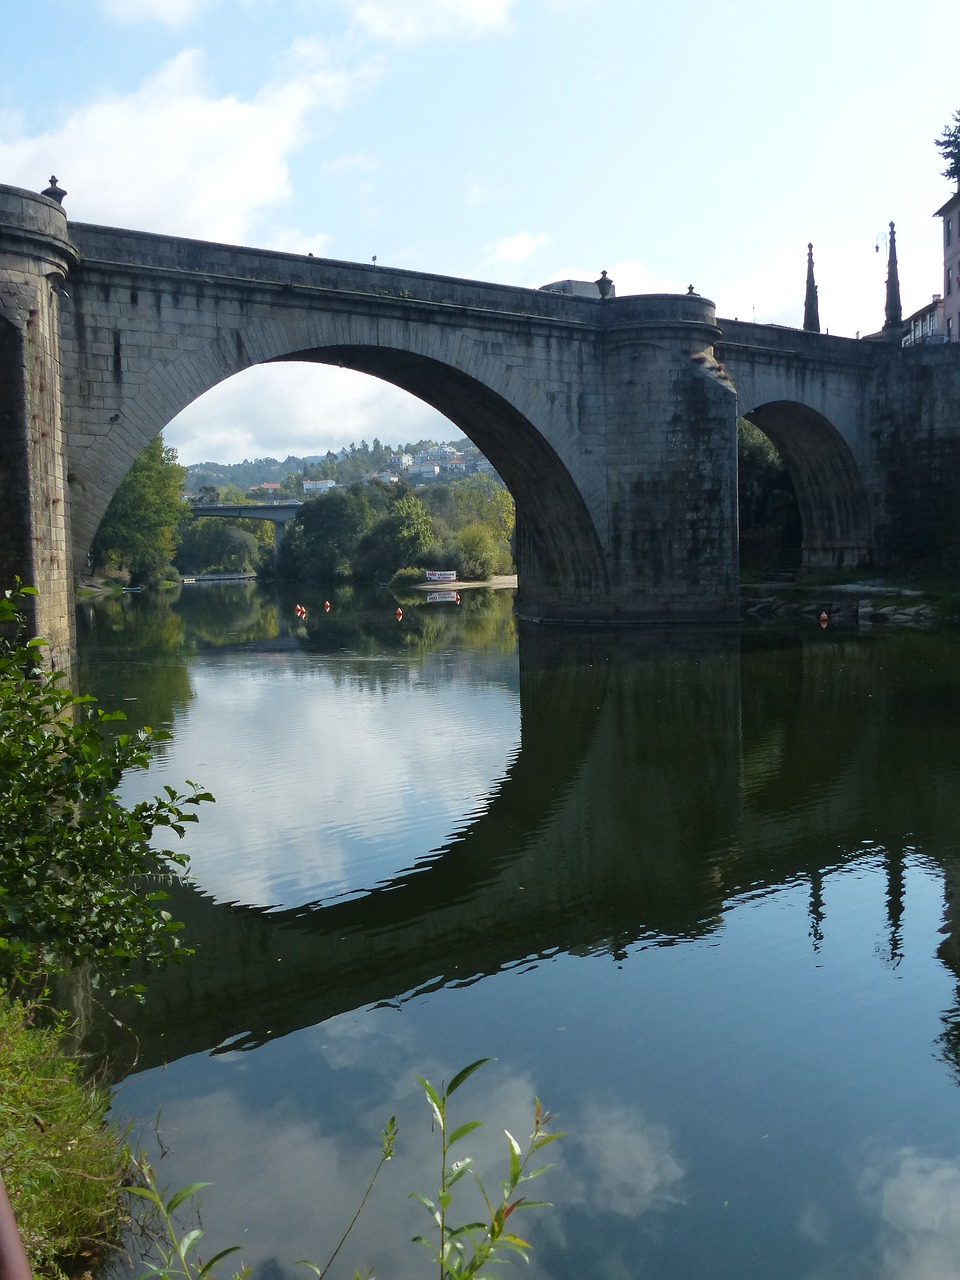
557, 543
834, 511
521, 430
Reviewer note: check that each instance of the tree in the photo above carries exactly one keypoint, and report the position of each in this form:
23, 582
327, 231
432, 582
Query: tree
476, 552
948, 144
322, 540
215, 545
767, 506
400, 539
138, 533
77, 864
485, 499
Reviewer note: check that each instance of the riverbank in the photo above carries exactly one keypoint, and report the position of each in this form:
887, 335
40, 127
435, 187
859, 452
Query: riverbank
862, 603
64, 1167
499, 582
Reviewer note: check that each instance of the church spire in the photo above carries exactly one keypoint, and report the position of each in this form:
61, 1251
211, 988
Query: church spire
893, 315
811, 309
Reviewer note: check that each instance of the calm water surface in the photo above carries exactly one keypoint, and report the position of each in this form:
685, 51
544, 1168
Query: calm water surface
696, 891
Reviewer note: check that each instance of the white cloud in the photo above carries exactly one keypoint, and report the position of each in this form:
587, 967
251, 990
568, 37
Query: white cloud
916, 1201
629, 1166
173, 13
213, 163
293, 240
407, 21
360, 162
476, 194
517, 248
273, 410
502, 259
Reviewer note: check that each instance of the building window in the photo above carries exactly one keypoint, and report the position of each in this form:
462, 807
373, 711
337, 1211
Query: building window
947, 231
949, 328
949, 283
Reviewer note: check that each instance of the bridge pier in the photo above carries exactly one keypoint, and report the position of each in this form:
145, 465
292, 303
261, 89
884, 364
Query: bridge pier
671, 462
35, 257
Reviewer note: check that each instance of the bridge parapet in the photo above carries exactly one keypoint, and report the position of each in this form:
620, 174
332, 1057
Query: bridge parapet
110, 251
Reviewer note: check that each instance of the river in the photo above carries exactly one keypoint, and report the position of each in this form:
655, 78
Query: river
695, 890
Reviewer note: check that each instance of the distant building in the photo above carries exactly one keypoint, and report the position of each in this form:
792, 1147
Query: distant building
925, 325
578, 288
271, 486
424, 471
950, 213
318, 486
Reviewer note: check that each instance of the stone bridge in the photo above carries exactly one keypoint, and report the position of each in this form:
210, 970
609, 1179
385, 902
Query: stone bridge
611, 420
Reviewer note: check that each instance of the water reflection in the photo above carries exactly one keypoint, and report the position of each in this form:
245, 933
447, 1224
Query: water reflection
693, 893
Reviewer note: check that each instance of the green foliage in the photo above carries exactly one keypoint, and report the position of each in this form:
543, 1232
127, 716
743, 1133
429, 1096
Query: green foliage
62, 1168
322, 540
400, 538
408, 576
177, 1256
177, 1253
81, 881
388, 1140
483, 499
215, 545
138, 533
477, 554
371, 531
767, 506
465, 1249
948, 144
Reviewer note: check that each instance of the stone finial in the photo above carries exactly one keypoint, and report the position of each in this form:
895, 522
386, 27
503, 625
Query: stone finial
691, 292
811, 306
893, 314
53, 192
604, 284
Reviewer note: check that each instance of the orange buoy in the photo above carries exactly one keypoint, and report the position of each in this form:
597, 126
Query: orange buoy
326, 606
399, 615
823, 618
456, 598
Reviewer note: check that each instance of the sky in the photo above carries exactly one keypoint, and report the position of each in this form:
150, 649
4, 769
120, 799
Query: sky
514, 141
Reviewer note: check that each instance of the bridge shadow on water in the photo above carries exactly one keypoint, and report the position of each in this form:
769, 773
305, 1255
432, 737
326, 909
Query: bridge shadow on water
661, 775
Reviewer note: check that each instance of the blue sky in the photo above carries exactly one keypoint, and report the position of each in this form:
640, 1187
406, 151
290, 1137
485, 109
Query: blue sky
520, 141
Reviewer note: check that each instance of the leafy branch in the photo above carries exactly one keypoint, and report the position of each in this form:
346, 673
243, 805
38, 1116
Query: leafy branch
464, 1250
82, 882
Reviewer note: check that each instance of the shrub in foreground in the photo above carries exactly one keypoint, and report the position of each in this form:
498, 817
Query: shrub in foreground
81, 880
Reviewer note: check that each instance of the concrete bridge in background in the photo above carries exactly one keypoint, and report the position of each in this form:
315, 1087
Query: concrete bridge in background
280, 513
611, 420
